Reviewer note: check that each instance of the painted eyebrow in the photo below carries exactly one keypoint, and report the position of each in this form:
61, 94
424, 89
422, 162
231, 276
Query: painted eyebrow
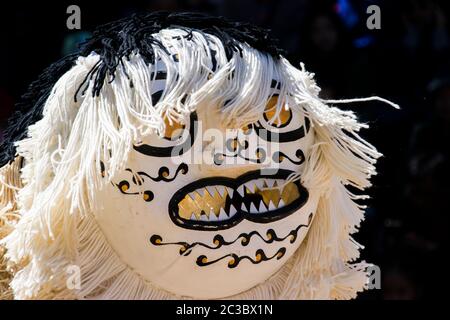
275, 84
156, 97
289, 136
213, 59
160, 75
155, 151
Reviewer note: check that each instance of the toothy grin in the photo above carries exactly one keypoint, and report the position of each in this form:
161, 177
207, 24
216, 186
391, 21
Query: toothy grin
220, 202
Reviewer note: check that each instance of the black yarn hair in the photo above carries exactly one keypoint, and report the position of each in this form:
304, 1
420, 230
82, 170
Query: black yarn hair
116, 41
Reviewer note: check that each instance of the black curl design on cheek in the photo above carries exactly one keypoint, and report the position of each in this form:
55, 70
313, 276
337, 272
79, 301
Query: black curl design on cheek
163, 173
260, 256
148, 196
124, 186
139, 179
279, 156
219, 241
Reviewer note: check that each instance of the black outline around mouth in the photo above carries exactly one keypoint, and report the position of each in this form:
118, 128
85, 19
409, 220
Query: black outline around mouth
266, 217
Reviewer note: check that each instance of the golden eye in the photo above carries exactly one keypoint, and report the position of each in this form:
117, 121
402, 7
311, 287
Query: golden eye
172, 130
124, 186
148, 196
284, 116
232, 144
246, 129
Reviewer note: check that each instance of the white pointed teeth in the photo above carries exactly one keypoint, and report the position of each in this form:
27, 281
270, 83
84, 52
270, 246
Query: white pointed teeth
222, 211
216, 195
232, 211
271, 206
270, 183
240, 190
211, 190
262, 207
221, 190
260, 184
222, 215
251, 186
215, 203
192, 195
212, 216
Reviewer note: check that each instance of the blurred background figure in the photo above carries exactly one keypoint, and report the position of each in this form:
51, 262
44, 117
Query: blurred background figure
407, 61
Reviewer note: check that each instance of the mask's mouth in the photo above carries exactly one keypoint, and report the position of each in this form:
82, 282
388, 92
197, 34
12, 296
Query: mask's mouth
217, 203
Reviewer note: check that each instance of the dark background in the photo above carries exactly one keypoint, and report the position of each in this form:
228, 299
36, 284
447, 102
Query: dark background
407, 61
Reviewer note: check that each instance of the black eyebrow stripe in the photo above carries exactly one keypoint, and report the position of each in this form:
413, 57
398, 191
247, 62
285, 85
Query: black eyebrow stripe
280, 137
160, 75
168, 151
307, 125
275, 84
156, 96
213, 60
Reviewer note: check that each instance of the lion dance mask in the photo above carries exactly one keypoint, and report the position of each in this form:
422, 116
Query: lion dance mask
181, 156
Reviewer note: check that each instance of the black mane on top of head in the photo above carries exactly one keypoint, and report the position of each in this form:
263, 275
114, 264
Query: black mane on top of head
117, 40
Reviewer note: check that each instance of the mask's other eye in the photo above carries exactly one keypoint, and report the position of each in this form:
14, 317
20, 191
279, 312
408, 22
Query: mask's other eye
275, 118
173, 129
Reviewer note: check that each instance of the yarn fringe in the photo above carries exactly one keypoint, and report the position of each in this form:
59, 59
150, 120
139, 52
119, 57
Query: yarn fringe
63, 152
10, 184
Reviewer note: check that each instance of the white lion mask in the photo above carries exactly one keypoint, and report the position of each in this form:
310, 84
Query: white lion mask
182, 156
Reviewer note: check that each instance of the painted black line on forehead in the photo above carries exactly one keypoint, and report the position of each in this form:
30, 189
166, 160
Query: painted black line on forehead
118, 40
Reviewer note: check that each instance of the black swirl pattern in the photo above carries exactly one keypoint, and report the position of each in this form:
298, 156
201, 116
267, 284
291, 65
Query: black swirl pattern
280, 156
219, 241
260, 256
163, 174
138, 179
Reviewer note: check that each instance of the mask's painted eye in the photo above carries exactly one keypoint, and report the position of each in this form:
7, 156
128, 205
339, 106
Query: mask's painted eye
247, 128
284, 116
174, 130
